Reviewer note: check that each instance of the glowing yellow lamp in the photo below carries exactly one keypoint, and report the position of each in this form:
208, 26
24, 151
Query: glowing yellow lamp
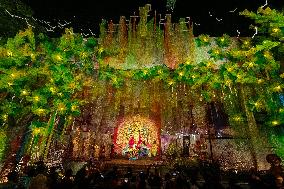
73, 108
5, 117
61, 107
40, 110
25, 92
52, 89
36, 131
100, 50
237, 118
9, 53
278, 88
259, 81
275, 30
171, 82
257, 104
250, 64
36, 98
32, 56
58, 57
275, 122
205, 39
230, 69
181, 73
83, 54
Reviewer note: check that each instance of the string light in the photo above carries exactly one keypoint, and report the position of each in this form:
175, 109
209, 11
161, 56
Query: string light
255, 32
275, 30
275, 122
36, 98
24, 92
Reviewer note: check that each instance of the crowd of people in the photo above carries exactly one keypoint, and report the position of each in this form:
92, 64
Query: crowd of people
205, 176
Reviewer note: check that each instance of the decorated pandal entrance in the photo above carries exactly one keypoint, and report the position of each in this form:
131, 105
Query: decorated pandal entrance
146, 121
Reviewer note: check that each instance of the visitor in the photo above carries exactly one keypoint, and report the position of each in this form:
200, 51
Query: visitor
275, 175
211, 175
111, 178
141, 181
67, 181
255, 181
168, 183
53, 180
154, 180
80, 180
95, 180
40, 180
181, 182
12, 181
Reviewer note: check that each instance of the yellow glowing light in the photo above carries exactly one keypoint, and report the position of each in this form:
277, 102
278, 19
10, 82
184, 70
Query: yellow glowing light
230, 69
36, 131
209, 63
61, 107
267, 54
10, 84
228, 82
193, 76
83, 55
259, 81
251, 64
222, 39
238, 118
278, 88
70, 117
73, 108
9, 53
171, 82
257, 104
36, 98
32, 56
25, 92
160, 71
58, 57
72, 85
205, 39
52, 89
40, 111
217, 52
13, 75
281, 110
188, 62
275, 122
60, 94
246, 42
145, 72
181, 73
275, 30
5, 117
100, 50
282, 75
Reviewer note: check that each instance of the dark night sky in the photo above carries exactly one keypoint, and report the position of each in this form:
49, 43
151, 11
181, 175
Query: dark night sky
88, 13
